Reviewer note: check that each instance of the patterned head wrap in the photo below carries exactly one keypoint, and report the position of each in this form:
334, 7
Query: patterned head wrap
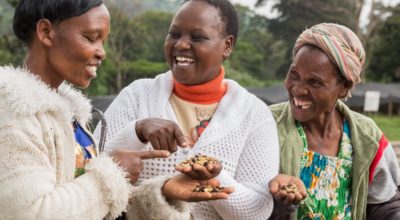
340, 44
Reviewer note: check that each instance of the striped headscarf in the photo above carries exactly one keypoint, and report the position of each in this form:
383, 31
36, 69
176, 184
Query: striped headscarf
340, 44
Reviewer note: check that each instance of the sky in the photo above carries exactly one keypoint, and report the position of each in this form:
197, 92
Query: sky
266, 9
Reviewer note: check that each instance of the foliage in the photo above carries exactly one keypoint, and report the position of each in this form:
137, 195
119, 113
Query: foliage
389, 125
385, 65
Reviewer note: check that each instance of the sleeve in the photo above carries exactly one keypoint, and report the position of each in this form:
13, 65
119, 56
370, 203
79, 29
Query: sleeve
384, 174
148, 203
30, 187
121, 119
258, 164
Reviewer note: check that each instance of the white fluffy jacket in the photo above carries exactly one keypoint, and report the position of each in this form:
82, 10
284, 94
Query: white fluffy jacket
242, 134
37, 159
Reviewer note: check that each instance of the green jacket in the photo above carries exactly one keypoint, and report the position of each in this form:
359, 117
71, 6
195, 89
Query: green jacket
365, 137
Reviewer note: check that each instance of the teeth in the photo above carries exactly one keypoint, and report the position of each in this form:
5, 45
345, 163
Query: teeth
92, 69
302, 104
184, 59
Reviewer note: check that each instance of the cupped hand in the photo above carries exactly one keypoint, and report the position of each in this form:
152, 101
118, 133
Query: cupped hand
131, 161
277, 185
181, 187
162, 134
200, 172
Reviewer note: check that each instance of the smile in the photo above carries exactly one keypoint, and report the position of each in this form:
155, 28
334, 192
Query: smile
183, 61
302, 104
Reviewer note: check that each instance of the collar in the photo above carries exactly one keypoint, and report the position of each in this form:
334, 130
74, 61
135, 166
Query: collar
208, 93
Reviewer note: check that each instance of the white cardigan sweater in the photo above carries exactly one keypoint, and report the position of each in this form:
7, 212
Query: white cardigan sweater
37, 159
242, 134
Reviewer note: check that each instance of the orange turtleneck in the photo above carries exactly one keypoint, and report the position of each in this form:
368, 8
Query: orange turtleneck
207, 93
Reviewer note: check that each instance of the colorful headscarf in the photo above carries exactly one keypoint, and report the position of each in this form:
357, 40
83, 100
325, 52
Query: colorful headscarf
340, 44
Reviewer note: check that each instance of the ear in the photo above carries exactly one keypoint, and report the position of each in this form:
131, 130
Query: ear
44, 31
346, 87
229, 41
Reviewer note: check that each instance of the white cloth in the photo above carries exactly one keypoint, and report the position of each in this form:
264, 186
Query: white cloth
242, 134
37, 160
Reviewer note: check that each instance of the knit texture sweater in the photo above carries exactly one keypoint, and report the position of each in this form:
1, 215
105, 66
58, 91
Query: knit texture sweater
37, 160
242, 134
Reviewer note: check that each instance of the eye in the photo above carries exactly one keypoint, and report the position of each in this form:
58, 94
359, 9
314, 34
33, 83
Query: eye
174, 35
293, 75
90, 38
197, 37
316, 83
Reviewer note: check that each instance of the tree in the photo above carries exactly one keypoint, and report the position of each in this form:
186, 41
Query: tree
385, 51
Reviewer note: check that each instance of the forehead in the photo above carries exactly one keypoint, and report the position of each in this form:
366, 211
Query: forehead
314, 61
96, 18
199, 14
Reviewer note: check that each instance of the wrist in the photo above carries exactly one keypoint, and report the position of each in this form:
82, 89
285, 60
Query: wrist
138, 130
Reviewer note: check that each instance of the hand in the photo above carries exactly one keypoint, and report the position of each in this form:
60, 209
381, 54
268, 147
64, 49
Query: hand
276, 188
196, 171
181, 187
131, 161
162, 134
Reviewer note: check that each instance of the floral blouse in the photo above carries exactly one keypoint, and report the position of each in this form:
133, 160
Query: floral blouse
84, 149
328, 180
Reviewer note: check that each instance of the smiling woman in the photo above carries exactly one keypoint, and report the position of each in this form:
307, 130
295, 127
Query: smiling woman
50, 167
193, 106
347, 165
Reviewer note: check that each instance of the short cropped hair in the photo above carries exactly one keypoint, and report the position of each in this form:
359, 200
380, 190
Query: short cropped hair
228, 15
29, 12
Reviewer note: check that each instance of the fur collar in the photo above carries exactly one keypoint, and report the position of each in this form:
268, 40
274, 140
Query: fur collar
25, 94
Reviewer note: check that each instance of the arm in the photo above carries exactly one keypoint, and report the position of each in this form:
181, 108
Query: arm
31, 189
383, 192
258, 164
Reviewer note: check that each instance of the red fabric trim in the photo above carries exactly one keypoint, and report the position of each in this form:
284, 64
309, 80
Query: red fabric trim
383, 143
208, 93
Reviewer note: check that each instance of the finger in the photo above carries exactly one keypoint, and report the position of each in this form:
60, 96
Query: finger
202, 171
179, 137
183, 169
298, 198
171, 144
302, 188
281, 196
163, 141
150, 154
155, 143
274, 186
214, 168
213, 182
289, 198
228, 189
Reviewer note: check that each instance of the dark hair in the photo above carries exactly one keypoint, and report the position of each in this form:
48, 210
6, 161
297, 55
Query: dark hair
29, 12
228, 15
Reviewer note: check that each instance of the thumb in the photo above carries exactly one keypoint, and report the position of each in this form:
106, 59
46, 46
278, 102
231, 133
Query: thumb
180, 138
273, 186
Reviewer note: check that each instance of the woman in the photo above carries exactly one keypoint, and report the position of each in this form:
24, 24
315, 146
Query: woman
49, 167
342, 157
193, 106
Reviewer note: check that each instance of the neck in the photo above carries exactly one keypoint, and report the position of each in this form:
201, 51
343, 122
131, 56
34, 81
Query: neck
327, 125
36, 65
208, 93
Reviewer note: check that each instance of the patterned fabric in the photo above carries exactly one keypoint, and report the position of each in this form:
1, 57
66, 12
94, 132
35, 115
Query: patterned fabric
193, 118
327, 179
84, 149
340, 44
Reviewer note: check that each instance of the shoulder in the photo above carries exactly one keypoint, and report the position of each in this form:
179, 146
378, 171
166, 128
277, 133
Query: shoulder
22, 93
148, 84
360, 122
279, 110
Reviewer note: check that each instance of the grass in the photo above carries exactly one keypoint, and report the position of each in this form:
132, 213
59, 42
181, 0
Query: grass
390, 125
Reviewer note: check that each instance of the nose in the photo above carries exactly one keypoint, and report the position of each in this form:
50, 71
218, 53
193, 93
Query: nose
100, 52
299, 89
182, 43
